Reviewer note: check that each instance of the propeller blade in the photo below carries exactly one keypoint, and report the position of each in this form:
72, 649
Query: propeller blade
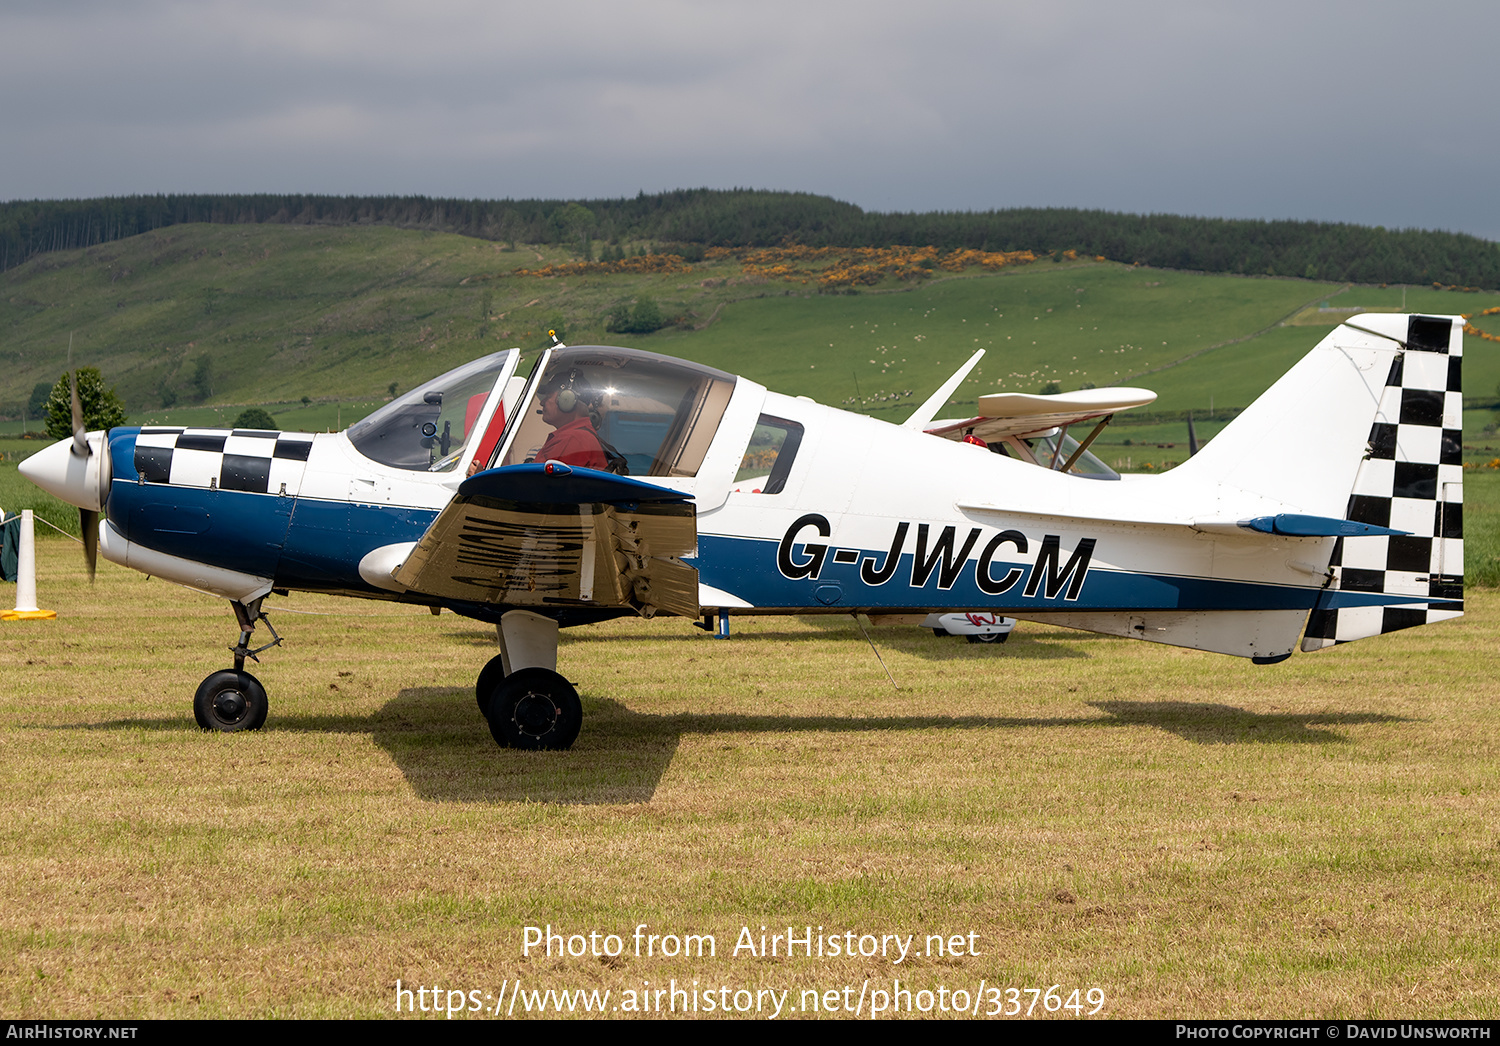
80, 439
88, 520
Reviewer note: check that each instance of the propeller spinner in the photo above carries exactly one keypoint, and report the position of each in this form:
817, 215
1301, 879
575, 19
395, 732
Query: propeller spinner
77, 470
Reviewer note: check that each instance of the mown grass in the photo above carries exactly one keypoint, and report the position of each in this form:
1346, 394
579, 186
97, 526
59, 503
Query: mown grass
1195, 835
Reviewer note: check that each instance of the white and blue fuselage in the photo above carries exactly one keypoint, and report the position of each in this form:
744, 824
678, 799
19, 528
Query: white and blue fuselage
857, 515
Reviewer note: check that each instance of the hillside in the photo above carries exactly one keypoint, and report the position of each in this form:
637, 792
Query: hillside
339, 314
691, 220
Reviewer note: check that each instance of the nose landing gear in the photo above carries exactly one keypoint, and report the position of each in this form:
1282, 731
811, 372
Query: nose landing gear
229, 702
233, 700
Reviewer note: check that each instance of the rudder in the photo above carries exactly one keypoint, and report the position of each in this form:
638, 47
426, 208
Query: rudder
1411, 479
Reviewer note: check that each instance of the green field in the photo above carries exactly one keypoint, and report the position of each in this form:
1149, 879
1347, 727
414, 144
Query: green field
1191, 835
337, 314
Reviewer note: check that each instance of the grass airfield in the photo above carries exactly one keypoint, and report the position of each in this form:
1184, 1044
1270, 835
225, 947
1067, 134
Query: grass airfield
1191, 834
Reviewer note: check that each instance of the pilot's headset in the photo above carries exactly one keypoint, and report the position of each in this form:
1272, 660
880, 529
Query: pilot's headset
572, 389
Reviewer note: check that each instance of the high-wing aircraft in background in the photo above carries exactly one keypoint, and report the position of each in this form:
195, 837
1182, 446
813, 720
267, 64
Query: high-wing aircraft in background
616, 481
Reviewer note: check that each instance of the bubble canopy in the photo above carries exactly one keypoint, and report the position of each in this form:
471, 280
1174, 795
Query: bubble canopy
427, 429
651, 415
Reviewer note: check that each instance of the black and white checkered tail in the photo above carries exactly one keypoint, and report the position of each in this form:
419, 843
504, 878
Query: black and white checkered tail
1411, 480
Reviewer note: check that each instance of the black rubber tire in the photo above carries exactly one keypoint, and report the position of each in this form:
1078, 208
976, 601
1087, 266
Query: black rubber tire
990, 637
229, 702
489, 678
535, 709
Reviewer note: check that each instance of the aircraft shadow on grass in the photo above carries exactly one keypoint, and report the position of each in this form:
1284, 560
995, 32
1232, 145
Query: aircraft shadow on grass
623, 754
443, 747
1215, 724
906, 640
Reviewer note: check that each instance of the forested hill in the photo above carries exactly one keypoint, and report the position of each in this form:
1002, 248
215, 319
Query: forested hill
684, 221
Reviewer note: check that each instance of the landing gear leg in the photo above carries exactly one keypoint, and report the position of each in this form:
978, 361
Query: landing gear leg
527, 704
247, 614
233, 700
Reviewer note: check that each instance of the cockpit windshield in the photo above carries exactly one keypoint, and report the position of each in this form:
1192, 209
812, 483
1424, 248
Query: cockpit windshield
622, 410
1047, 450
426, 429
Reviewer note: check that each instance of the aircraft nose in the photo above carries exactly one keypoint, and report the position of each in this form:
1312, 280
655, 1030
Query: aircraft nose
61, 473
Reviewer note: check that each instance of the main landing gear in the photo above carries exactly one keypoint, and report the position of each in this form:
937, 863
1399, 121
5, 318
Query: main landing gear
528, 705
233, 700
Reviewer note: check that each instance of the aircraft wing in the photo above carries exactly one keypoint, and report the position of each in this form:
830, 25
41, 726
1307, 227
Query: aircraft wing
553, 535
1021, 414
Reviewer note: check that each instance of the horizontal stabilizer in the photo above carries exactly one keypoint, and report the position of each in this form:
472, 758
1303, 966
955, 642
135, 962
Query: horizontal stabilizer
1297, 525
1287, 524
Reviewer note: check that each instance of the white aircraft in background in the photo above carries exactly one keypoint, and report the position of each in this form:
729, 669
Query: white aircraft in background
631, 483
974, 626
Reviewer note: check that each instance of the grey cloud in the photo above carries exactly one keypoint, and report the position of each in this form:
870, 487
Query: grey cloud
1362, 112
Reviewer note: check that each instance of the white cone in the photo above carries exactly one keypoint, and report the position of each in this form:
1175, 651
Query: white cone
26, 608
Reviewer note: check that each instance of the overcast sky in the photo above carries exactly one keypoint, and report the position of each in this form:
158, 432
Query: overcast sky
1382, 113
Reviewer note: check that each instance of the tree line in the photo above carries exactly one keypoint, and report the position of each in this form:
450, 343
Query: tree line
687, 221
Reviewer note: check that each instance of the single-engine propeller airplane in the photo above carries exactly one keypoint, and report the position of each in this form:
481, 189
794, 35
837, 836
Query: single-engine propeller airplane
631, 483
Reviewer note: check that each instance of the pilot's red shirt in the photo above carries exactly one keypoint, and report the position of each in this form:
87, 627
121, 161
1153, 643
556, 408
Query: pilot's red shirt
574, 444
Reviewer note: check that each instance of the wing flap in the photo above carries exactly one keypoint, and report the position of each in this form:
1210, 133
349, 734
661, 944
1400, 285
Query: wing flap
486, 547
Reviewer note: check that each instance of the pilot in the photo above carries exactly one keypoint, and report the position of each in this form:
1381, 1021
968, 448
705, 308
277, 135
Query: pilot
566, 403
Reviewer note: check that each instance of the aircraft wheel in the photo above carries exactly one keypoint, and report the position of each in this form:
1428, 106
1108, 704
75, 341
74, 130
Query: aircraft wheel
229, 702
489, 678
990, 637
535, 709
